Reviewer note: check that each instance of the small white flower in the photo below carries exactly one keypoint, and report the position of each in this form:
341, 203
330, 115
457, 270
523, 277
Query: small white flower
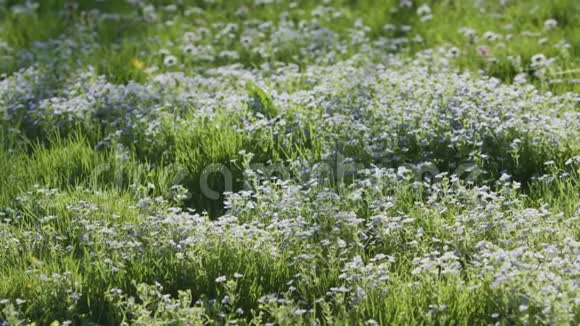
521, 78
468, 32
454, 52
490, 36
246, 41
170, 61
221, 279
406, 4
300, 312
538, 60
188, 49
549, 163
424, 10
505, 177
360, 294
550, 24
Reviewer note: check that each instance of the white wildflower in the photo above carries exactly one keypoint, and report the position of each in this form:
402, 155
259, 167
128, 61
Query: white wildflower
424, 10
170, 61
550, 24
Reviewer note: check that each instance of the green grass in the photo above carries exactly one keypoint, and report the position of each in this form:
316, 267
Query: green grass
132, 36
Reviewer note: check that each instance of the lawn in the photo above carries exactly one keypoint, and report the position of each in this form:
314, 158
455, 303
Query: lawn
373, 162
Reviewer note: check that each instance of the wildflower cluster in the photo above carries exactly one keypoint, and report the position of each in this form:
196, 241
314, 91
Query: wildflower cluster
267, 162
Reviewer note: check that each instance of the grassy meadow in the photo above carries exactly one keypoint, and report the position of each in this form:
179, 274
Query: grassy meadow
215, 162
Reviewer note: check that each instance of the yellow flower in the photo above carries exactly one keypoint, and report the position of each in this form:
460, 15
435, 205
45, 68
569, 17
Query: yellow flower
138, 64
